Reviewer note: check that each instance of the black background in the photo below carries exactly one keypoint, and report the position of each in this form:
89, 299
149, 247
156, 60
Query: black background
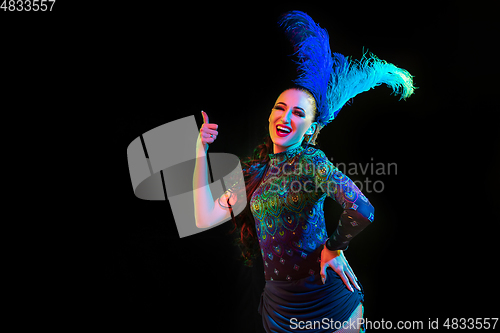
112, 73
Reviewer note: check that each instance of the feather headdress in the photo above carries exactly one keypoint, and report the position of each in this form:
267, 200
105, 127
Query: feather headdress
332, 78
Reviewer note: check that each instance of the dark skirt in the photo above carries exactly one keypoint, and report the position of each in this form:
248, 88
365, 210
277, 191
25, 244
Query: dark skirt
288, 306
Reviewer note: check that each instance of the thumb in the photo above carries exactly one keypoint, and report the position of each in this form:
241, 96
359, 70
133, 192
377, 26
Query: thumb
205, 117
323, 272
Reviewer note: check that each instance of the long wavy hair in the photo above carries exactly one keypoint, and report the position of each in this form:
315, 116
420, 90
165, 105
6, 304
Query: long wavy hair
254, 169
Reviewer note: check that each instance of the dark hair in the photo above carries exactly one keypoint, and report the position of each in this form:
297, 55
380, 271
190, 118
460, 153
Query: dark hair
254, 168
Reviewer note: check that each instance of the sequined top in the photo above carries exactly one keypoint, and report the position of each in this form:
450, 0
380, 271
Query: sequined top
288, 210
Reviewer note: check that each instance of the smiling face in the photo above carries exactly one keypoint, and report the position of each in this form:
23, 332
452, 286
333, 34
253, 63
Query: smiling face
292, 117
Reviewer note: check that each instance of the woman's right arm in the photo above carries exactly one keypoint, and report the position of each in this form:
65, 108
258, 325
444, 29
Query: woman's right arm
206, 211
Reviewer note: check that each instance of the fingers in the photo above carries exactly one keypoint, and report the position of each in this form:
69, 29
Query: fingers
208, 137
353, 279
231, 197
340, 273
206, 123
205, 117
323, 272
208, 132
350, 273
346, 281
340, 266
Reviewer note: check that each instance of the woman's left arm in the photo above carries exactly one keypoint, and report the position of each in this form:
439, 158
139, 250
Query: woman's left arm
358, 211
358, 214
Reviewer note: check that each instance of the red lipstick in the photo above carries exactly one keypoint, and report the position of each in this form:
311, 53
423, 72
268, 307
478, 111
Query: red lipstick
283, 130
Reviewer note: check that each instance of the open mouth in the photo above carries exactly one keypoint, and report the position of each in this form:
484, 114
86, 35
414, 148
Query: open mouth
282, 130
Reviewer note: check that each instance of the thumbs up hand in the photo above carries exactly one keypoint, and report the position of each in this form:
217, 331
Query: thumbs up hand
208, 132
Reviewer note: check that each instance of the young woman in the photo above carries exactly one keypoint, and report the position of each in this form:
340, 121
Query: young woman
309, 283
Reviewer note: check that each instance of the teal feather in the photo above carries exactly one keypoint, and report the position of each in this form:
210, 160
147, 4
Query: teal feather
348, 81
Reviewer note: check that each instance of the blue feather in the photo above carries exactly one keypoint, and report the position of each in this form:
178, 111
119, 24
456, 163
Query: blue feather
332, 78
312, 48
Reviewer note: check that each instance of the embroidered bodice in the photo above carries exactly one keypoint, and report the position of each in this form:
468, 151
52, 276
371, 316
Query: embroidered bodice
288, 210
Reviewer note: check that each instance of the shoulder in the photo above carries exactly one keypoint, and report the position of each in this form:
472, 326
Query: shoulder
316, 160
314, 152
323, 166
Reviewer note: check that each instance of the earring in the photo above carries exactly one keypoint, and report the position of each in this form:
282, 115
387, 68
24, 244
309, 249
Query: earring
312, 137
310, 131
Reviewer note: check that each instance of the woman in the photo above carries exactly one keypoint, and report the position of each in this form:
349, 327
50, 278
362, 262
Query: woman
287, 182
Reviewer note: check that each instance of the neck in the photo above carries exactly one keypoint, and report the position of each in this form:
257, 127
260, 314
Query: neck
278, 149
